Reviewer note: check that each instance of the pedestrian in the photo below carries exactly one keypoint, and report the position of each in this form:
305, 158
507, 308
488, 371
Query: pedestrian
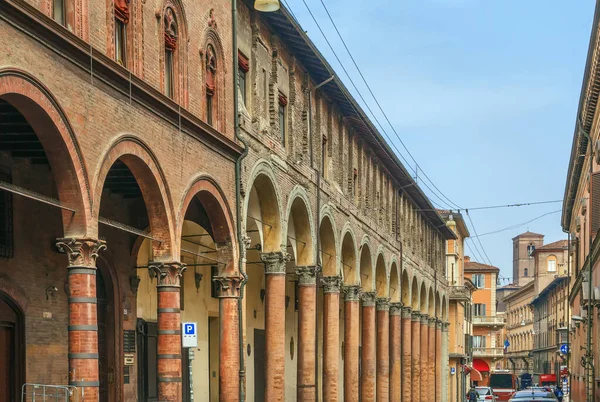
472, 394
559, 393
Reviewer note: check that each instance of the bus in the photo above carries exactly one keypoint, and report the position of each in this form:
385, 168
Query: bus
504, 384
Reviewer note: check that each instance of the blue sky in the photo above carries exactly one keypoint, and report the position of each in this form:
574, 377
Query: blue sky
483, 93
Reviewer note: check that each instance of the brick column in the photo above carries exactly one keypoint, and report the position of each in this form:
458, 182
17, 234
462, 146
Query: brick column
425, 390
368, 361
83, 319
439, 359
431, 358
275, 324
307, 321
229, 349
351, 344
383, 350
395, 352
445, 367
406, 355
168, 286
415, 362
331, 336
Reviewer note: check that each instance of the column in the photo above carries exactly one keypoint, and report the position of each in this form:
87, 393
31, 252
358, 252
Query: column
331, 336
368, 361
83, 322
415, 361
425, 385
445, 367
168, 286
383, 349
229, 349
440, 362
406, 354
275, 325
431, 359
395, 352
307, 321
351, 375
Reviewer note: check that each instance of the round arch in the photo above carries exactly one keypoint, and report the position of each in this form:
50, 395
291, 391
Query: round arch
423, 298
415, 300
431, 302
262, 208
150, 178
299, 227
395, 291
349, 257
49, 121
367, 279
438, 305
381, 278
406, 286
328, 245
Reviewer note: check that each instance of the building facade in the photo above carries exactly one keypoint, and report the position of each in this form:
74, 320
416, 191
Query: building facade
173, 175
524, 245
459, 308
519, 329
488, 326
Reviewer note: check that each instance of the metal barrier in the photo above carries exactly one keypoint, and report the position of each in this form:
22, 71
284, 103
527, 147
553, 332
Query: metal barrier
50, 393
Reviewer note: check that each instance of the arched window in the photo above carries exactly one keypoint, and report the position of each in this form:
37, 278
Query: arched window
211, 75
526, 272
171, 36
121, 21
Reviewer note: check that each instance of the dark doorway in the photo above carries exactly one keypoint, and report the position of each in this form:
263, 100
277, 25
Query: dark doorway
147, 360
11, 350
106, 338
259, 365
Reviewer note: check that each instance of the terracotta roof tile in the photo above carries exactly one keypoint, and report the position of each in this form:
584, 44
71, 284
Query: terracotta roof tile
477, 266
557, 244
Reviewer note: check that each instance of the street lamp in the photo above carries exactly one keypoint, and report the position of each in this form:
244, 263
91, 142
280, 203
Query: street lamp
266, 5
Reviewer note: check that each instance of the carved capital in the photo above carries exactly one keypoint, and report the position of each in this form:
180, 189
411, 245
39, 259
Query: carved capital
424, 319
275, 262
331, 284
368, 299
439, 324
432, 321
307, 276
406, 312
382, 303
81, 252
228, 286
351, 293
415, 316
445, 326
396, 308
168, 274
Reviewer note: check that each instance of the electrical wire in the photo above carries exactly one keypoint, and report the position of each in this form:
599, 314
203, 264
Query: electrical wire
478, 239
518, 224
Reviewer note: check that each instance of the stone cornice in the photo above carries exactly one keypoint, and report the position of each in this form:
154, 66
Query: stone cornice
64, 43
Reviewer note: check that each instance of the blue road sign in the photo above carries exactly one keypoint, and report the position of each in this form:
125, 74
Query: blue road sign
190, 328
564, 348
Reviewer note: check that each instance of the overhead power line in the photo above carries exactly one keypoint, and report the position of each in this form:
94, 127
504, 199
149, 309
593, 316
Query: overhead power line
518, 224
479, 240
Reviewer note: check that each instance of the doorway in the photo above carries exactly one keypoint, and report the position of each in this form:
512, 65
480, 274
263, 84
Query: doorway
259, 365
12, 356
106, 345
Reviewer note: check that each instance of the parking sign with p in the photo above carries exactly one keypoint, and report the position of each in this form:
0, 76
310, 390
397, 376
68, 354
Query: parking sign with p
189, 337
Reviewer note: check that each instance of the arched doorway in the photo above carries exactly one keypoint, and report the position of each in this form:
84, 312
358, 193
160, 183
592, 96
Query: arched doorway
12, 350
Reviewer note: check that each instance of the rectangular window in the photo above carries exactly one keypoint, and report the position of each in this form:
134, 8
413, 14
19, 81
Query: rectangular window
209, 109
6, 221
324, 156
478, 280
243, 68
551, 265
478, 341
120, 42
169, 77
282, 117
58, 11
479, 309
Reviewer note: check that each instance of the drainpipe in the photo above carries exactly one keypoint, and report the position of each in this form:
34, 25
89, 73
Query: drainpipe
238, 197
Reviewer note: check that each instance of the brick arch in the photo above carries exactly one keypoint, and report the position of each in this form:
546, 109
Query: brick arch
431, 302
329, 243
262, 180
349, 256
298, 210
150, 178
395, 281
14, 292
382, 285
414, 295
54, 131
367, 277
212, 38
212, 198
423, 299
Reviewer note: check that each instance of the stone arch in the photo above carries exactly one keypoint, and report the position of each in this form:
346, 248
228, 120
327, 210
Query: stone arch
382, 286
415, 299
406, 287
395, 290
299, 227
349, 257
149, 176
263, 200
367, 278
328, 244
53, 129
206, 190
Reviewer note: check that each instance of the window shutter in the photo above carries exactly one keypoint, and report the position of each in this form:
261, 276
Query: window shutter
483, 307
595, 204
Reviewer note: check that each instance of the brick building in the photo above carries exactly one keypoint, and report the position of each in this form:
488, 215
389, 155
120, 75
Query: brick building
271, 214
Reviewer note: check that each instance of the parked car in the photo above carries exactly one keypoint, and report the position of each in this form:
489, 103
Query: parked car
485, 394
533, 395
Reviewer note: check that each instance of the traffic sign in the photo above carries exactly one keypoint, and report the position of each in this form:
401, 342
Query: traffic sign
564, 348
452, 370
190, 334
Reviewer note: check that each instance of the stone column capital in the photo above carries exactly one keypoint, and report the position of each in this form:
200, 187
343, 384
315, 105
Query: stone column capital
168, 274
382, 303
415, 315
445, 326
396, 308
228, 286
331, 284
275, 262
432, 321
352, 292
424, 319
82, 252
368, 299
307, 276
406, 312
